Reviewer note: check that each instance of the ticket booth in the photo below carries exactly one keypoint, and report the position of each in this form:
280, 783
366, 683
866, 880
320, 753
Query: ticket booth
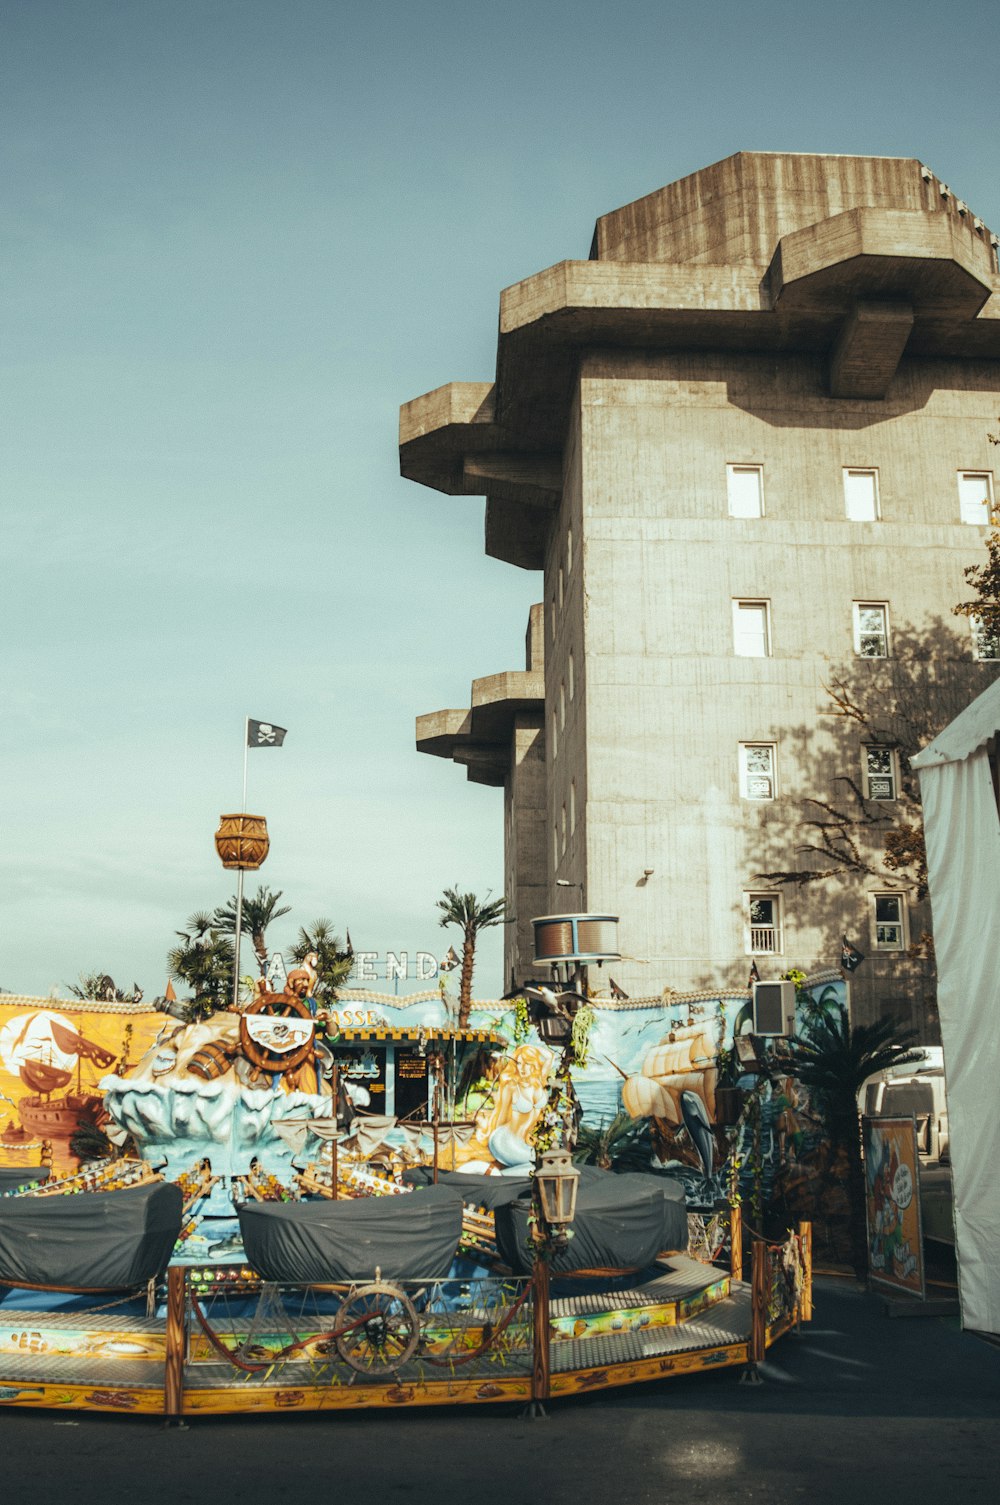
393, 1065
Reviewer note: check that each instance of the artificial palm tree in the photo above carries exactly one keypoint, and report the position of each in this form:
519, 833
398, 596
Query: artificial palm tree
465, 911
333, 962
98, 985
203, 960
258, 913
833, 1059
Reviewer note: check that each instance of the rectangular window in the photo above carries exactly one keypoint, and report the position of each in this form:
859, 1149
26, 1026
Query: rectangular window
890, 920
764, 924
572, 806
871, 629
562, 827
975, 496
569, 550
985, 640
562, 587
570, 675
757, 768
751, 629
745, 488
562, 704
880, 773
555, 735
861, 495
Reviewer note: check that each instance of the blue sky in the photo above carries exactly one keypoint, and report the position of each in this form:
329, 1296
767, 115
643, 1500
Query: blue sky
237, 235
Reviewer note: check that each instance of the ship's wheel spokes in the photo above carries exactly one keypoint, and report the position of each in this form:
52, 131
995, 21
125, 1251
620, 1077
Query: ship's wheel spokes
377, 1329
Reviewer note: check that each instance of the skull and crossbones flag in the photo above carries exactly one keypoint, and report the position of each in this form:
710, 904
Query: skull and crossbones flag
264, 734
850, 957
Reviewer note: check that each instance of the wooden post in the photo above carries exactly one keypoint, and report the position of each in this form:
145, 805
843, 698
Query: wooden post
736, 1240
334, 1168
436, 1110
176, 1341
540, 1332
759, 1267
806, 1300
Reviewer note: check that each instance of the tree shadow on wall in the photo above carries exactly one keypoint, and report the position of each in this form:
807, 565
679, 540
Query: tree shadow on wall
846, 824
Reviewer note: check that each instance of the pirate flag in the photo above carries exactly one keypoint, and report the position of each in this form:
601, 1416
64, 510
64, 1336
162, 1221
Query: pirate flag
754, 974
450, 962
265, 734
850, 957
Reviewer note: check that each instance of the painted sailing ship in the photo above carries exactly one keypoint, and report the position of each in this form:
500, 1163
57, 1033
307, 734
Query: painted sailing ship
48, 1110
675, 1085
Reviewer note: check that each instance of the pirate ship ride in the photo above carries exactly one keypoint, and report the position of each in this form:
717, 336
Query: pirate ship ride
276, 1249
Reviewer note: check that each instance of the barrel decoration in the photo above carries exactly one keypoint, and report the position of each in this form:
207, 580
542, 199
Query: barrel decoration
242, 841
211, 1061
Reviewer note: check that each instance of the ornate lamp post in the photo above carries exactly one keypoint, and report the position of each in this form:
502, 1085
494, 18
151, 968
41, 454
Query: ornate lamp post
242, 843
558, 1180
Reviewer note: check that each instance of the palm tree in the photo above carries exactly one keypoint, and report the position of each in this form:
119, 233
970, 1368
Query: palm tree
466, 911
98, 985
833, 1059
614, 1146
203, 960
258, 913
333, 962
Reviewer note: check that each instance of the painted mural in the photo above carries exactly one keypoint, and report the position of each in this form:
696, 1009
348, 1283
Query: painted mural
53, 1055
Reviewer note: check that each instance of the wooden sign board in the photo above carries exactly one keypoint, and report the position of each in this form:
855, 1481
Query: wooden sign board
892, 1205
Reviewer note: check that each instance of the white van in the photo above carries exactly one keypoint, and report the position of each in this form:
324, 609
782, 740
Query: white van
917, 1089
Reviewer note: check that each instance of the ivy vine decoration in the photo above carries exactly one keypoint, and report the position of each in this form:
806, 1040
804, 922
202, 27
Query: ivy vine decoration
522, 1021
544, 1242
583, 1023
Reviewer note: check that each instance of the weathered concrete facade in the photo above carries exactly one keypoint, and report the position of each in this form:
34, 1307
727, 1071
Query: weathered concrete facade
744, 443
500, 740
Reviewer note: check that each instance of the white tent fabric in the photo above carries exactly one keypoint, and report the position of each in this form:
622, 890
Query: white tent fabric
962, 831
970, 730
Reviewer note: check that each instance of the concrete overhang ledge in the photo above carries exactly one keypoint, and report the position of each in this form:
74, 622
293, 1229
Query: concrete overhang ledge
497, 700
908, 254
477, 438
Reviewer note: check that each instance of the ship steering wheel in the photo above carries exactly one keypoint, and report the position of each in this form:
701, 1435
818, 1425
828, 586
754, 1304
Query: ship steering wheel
275, 1006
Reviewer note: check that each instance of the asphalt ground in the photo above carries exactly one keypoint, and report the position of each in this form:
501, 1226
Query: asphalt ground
856, 1408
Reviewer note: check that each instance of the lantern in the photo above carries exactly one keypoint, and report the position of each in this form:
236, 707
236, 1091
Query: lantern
557, 1179
241, 841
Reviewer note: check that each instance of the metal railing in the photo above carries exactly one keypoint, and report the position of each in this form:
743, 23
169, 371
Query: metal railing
404, 1333
764, 939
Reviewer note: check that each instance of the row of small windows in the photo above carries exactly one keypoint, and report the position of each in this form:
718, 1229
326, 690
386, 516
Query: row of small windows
562, 576
758, 772
564, 827
752, 631
763, 923
745, 490
567, 692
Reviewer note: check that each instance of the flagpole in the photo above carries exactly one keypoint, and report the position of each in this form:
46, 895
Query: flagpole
239, 881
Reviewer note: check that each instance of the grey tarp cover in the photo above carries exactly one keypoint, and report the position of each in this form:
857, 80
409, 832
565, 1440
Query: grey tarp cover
621, 1223
477, 1191
106, 1240
412, 1237
13, 1176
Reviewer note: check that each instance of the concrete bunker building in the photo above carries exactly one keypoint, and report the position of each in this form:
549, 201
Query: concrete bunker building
746, 445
